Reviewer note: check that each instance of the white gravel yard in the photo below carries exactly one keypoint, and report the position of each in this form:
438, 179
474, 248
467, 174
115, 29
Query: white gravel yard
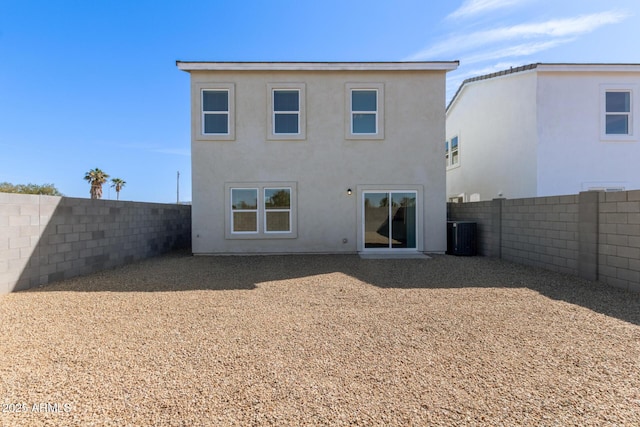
320, 340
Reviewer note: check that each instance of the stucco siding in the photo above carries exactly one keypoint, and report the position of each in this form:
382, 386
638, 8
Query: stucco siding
495, 121
325, 164
572, 155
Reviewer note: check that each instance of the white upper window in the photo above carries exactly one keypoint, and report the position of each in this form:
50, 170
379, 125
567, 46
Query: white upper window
215, 120
364, 111
365, 104
618, 111
287, 111
215, 112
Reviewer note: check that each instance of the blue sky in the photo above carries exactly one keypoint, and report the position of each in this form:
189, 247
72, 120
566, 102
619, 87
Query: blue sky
93, 83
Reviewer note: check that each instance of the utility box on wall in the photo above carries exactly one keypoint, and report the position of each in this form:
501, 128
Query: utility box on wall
461, 238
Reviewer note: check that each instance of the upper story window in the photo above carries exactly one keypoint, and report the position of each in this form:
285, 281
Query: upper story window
364, 111
215, 120
365, 104
215, 112
618, 112
452, 152
287, 111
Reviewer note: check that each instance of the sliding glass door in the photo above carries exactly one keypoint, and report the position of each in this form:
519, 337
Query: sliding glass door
389, 219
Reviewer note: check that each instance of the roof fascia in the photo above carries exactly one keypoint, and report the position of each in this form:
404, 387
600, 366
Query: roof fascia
318, 66
572, 68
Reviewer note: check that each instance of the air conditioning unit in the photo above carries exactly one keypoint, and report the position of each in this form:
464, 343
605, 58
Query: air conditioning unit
461, 238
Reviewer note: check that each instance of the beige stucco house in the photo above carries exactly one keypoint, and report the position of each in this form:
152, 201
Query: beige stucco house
318, 157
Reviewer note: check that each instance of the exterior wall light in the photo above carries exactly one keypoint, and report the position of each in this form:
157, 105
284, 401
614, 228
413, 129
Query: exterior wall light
348, 191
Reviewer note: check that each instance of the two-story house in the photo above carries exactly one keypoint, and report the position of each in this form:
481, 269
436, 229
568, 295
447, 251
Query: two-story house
318, 157
544, 130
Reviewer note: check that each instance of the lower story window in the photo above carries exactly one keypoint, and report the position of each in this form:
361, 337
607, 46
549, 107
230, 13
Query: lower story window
261, 210
277, 210
244, 206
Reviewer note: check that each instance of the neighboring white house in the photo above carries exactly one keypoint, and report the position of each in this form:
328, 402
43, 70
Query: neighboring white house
543, 130
318, 157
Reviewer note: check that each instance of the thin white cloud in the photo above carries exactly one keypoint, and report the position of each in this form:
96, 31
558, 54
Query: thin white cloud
562, 27
475, 7
520, 50
569, 27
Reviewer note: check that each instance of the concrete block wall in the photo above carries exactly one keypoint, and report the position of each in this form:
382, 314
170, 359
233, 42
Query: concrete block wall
542, 232
619, 239
44, 238
593, 235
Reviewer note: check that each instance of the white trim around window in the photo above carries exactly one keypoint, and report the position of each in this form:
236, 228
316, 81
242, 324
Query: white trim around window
261, 210
215, 107
364, 104
286, 118
619, 113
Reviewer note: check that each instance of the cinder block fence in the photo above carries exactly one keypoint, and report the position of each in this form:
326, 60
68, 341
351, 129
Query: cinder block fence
594, 235
45, 238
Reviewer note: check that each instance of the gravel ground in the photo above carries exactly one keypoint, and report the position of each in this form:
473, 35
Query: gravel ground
320, 340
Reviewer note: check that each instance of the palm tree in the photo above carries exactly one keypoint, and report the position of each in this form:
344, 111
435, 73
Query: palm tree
96, 178
118, 183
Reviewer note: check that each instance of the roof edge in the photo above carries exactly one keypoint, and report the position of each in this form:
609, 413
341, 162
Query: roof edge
511, 70
588, 67
550, 67
318, 66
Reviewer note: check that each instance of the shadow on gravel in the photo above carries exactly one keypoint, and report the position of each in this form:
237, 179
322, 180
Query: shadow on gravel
179, 271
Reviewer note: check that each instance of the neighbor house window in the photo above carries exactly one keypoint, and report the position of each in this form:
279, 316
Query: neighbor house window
216, 118
365, 104
452, 153
618, 112
261, 210
287, 118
